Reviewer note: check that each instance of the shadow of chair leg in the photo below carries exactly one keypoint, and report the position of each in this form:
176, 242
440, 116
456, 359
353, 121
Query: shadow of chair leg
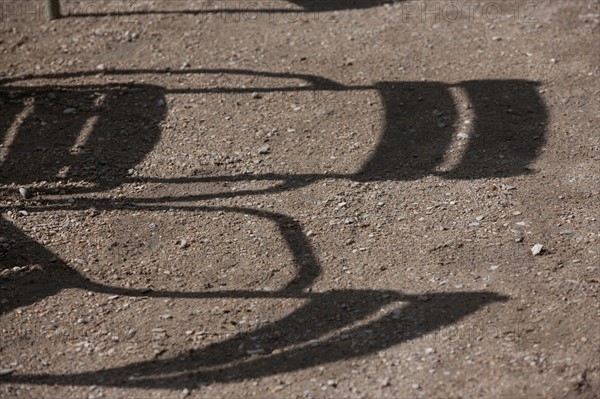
53, 9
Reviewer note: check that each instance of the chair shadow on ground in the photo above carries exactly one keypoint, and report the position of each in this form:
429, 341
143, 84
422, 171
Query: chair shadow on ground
507, 129
509, 124
78, 10
330, 326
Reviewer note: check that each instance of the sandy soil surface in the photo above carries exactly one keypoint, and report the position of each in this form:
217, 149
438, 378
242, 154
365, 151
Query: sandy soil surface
300, 199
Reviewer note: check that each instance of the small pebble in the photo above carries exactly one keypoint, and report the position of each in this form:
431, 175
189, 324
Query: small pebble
160, 102
69, 111
264, 150
537, 249
24, 192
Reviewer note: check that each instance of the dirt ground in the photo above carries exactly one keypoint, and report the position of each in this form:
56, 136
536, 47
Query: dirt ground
300, 199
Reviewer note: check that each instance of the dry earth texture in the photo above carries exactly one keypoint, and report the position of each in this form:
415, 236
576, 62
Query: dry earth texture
300, 199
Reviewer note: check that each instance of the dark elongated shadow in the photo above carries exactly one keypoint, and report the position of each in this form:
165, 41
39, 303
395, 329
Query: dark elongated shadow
317, 333
90, 10
338, 5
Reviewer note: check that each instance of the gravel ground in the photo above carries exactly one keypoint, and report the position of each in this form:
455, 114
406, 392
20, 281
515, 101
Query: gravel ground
300, 199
